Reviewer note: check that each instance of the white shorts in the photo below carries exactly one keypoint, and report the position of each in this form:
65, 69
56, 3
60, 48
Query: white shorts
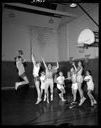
74, 86
60, 86
43, 86
90, 87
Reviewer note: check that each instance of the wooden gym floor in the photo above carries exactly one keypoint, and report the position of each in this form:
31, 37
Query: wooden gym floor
19, 108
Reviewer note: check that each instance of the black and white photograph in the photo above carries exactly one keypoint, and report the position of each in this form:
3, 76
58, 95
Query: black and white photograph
50, 63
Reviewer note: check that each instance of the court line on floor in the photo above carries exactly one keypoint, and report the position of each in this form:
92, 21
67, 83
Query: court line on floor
7, 88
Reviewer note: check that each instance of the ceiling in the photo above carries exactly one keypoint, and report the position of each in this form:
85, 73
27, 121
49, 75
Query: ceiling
53, 8
49, 4
46, 4
48, 9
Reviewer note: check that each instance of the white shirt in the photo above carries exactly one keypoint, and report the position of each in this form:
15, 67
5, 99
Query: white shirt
42, 78
89, 80
60, 79
36, 70
20, 67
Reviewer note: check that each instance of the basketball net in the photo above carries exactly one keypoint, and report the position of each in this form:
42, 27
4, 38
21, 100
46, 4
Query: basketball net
86, 37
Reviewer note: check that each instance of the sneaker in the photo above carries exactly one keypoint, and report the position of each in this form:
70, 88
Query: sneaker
63, 99
48, 101
95, 102
16, 85
44, 98
74, 102
52, 98
72, 106
92, 103
82, 101
38, 101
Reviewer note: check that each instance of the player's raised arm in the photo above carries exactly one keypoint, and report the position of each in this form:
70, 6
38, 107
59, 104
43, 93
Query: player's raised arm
33, 58
44, 63
74, 66
57, 65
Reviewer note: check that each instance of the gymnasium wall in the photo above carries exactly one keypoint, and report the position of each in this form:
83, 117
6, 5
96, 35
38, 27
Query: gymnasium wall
14, 37
24, 30
45, 43
62, 43
76, 26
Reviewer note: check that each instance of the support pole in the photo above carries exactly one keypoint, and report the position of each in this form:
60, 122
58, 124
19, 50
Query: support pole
87, 14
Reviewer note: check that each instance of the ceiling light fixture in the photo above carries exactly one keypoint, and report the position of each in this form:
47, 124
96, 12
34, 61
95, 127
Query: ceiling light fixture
37, 1
73, 5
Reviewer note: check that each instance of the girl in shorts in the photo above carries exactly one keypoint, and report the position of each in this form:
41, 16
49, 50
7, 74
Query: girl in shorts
21, 72
49, 71
79, 77
72, 76
42, 79
60, 85
36, 69
90, 87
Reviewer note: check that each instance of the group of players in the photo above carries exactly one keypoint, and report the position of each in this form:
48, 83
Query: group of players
47, 80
